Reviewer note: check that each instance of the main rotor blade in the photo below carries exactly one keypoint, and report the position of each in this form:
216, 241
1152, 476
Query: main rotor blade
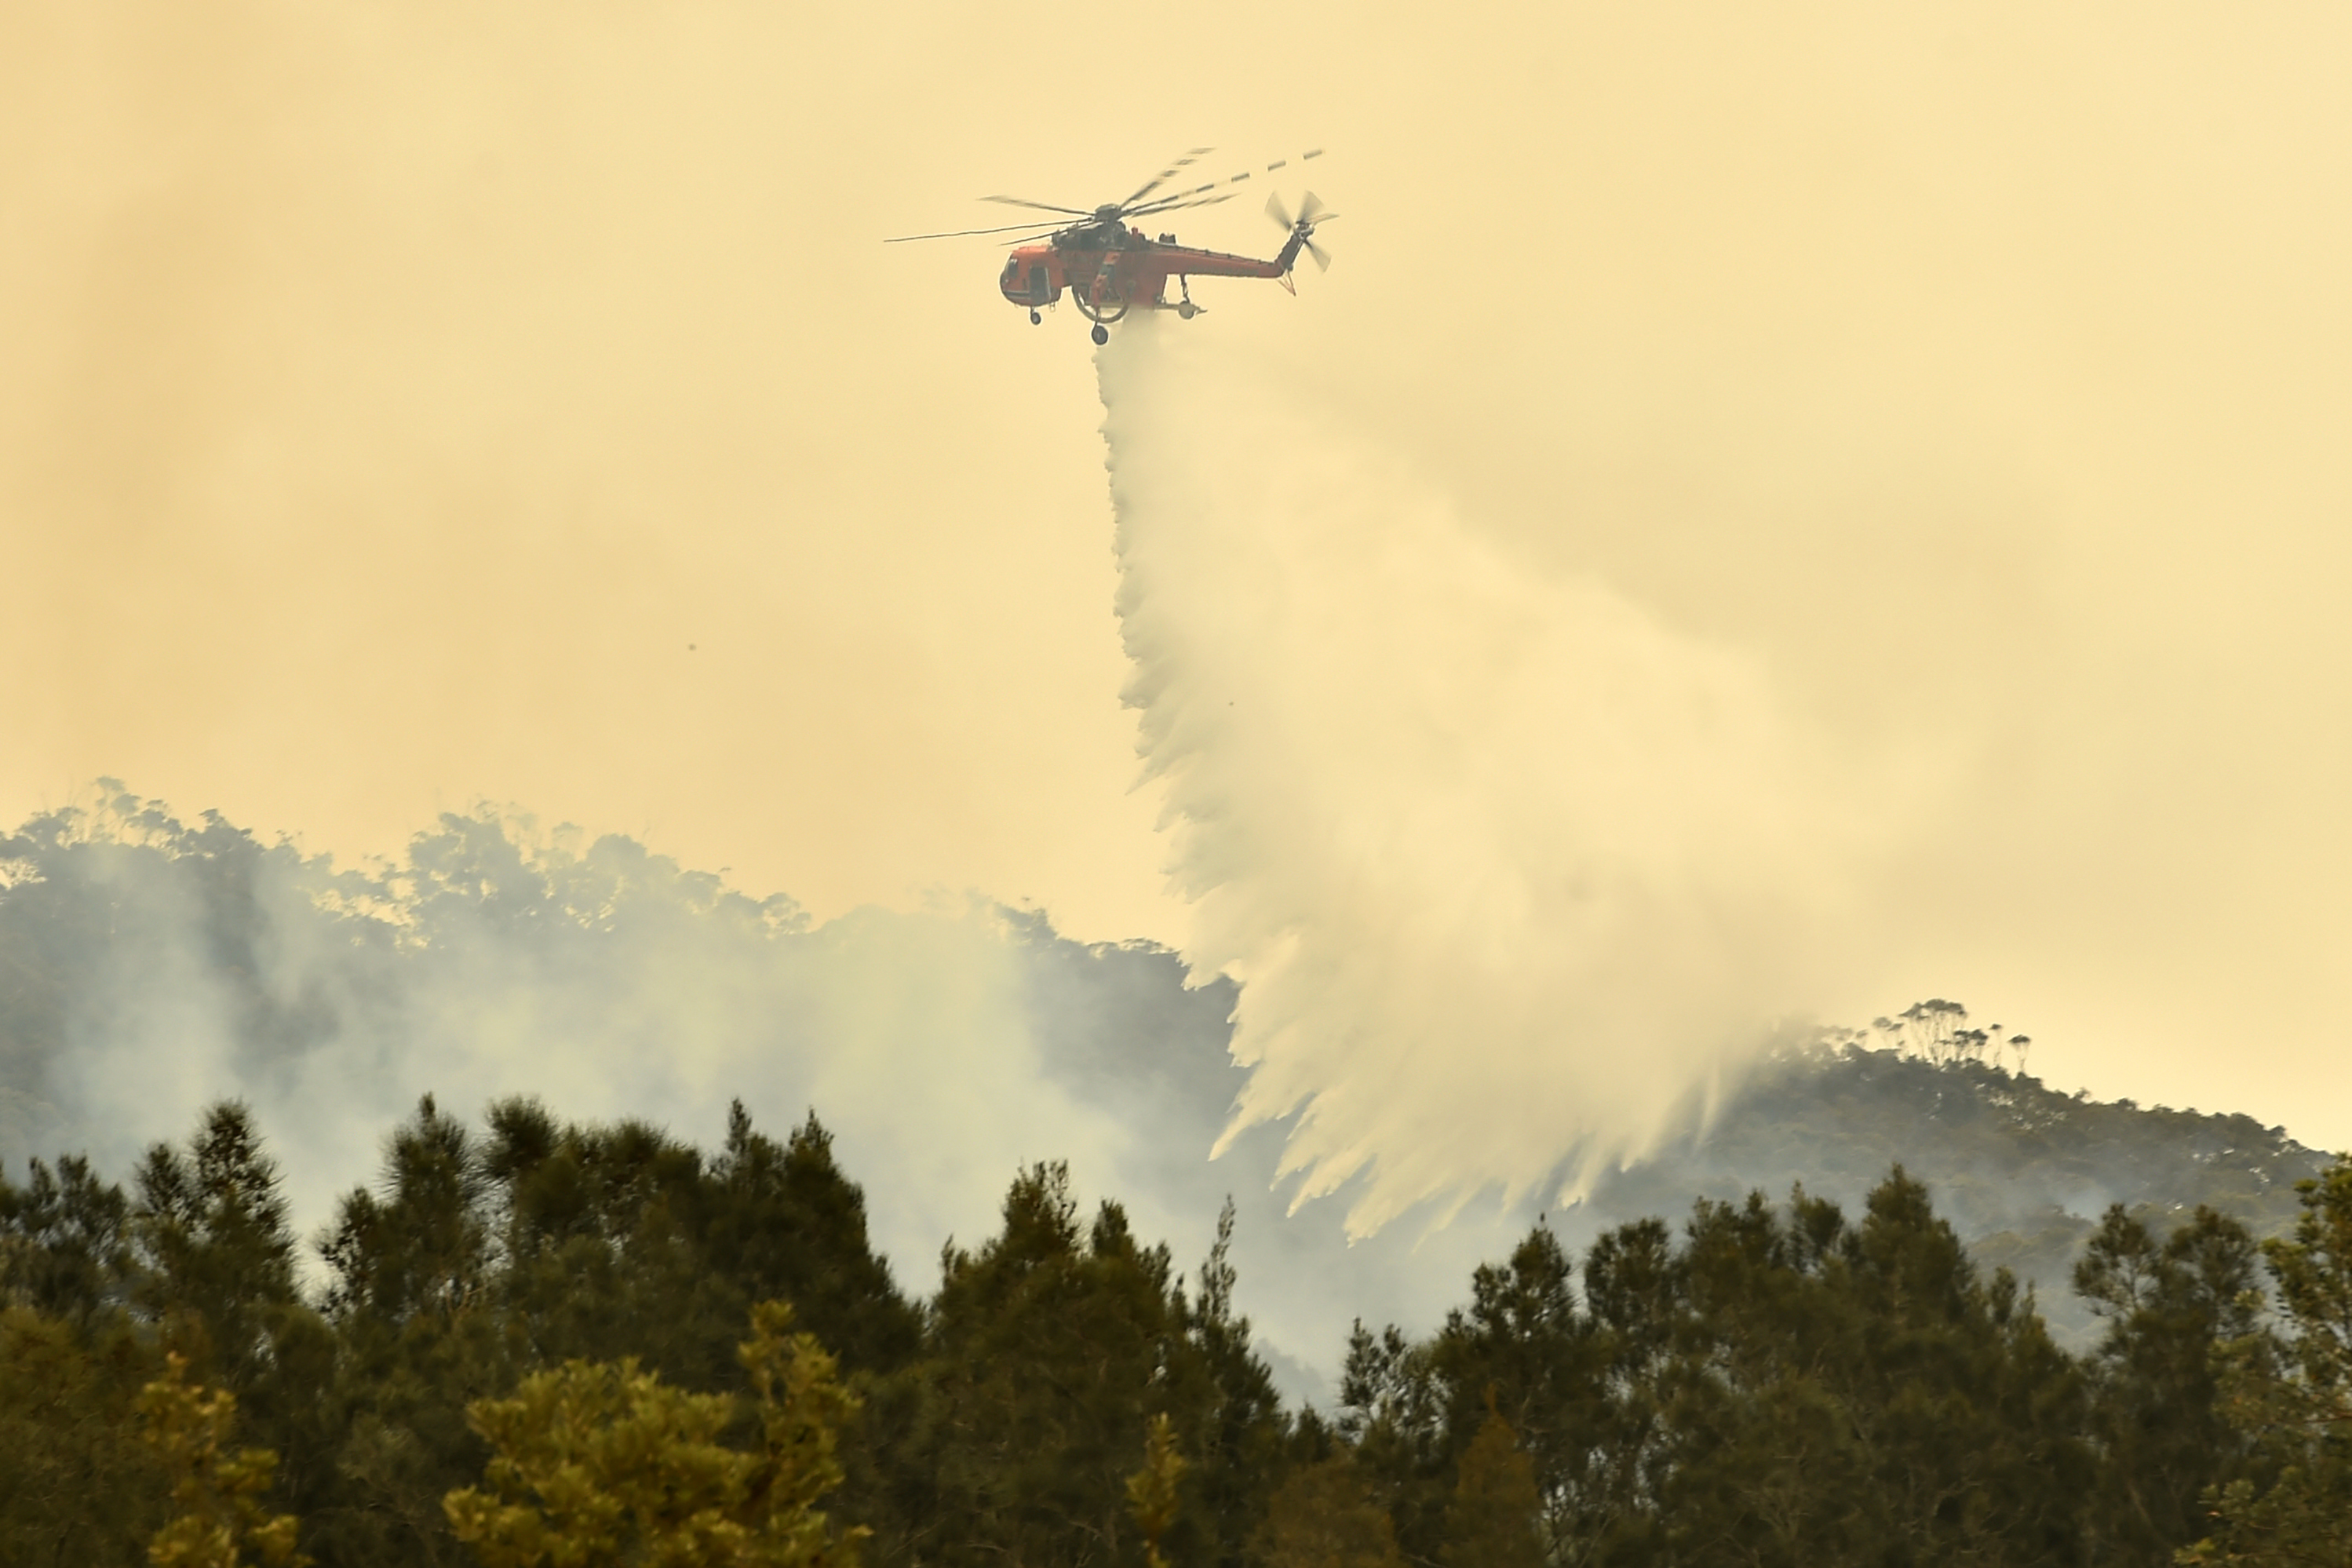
1216, 185
961, 233
1041, 206
1176, 207
1165, 204
1165, 174
1181, 199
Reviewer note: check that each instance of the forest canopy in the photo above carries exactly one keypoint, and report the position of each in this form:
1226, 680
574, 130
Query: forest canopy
537, 1341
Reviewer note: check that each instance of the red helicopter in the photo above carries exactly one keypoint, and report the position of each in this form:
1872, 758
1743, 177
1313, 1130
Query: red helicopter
1111, 266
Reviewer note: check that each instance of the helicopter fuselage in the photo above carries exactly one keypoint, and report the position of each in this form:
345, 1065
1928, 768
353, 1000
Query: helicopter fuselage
1108, 269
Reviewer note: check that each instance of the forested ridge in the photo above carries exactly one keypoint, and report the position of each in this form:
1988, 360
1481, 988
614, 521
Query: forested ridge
149, 963
533, 1334
2022, 1170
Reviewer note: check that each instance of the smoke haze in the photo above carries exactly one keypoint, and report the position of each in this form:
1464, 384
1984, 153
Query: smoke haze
184, 964
414, 404
149, 967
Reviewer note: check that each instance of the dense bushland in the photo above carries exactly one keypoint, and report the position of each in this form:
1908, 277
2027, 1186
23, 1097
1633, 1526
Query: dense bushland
1768, 1383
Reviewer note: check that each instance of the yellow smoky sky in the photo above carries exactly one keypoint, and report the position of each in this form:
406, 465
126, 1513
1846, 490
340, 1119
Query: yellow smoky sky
409, 403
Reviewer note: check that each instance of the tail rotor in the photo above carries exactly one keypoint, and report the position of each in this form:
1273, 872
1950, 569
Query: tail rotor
1302, 226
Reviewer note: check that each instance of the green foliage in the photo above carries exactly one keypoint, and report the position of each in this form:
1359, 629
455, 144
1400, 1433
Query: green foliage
1856, 1393
1045, 1350
525, 1349
1242, 1439
1491, 1520
2008, 1157
1327, 1515
1151, 1492
482, 1259
77, 1484
217, 1514
477, 1260
596, 1462
1783, 1388
2169, 1303
788, 1225
677, 1248
212, 1234
213, 1272
2291, 1398
65, 1243
415, 1297
1522, 1355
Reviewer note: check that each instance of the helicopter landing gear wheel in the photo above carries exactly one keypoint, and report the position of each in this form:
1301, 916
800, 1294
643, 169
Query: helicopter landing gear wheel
1101, 334
1036, 317
1186, 310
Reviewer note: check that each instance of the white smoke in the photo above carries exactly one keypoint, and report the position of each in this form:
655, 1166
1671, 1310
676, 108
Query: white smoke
1508, 871
154, 965
498, 960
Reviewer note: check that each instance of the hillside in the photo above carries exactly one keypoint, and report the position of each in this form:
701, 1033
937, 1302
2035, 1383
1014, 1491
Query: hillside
148, 966
2022, 1170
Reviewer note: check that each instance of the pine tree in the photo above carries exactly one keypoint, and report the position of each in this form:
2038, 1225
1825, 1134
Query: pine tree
1522, 1348
2293, 1398
411, 1292
1052, 1348
1240, 1434
211, 1230
598, 1236
1490, 1523
1046, 1346
65, 1245
215, 1257
2169, 1304
1394, 1411
783, 1222
1636, 1290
